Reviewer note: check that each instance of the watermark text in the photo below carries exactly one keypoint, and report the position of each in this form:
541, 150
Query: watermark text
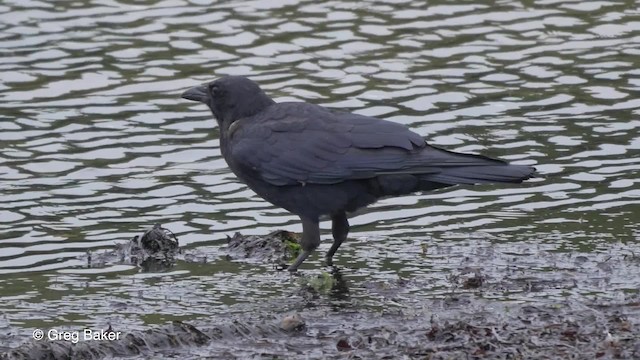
75, 336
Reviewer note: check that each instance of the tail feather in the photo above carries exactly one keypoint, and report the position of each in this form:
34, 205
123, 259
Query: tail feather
459, 168
482, 174
435, 168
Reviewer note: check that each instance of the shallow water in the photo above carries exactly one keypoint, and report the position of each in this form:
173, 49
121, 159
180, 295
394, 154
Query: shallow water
97, 145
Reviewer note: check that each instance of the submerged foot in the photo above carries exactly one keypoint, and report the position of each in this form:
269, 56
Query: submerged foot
292, 270
328, 261
299, 260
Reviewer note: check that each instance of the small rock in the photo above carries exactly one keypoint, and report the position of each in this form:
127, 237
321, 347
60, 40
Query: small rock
292, 323
474, 282
343, 345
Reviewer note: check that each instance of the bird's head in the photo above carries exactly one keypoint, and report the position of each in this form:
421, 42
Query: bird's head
230, 98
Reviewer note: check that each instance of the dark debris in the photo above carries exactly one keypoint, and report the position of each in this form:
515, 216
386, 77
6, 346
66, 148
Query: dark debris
277, 247
153, 251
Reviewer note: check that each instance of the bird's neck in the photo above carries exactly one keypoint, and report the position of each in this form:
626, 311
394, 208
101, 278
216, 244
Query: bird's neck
242, 109
252, 106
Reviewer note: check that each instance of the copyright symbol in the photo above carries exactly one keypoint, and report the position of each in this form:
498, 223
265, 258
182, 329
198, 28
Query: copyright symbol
38, 334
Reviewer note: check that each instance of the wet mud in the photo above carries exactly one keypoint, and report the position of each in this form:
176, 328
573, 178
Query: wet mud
564, 331
480, 313
278, 247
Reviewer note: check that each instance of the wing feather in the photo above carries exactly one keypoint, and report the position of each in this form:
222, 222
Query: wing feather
292, 143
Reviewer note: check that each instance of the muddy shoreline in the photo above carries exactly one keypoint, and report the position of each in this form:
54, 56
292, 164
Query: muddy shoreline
490, 307
463, 329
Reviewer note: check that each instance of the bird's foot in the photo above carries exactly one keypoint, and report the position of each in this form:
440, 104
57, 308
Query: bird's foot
328, 261
283, 266
298, 261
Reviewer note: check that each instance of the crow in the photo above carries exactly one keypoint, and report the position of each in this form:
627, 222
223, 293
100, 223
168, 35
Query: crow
315, 161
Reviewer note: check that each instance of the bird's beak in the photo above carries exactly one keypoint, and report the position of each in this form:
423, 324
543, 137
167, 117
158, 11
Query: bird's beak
198, 93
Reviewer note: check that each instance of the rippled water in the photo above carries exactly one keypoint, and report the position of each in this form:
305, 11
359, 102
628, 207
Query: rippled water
96, 144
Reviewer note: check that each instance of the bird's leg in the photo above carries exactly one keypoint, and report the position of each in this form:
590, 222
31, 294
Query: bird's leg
340, 229
309, 242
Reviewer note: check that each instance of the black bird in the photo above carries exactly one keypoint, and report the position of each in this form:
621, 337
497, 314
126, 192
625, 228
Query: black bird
314, 161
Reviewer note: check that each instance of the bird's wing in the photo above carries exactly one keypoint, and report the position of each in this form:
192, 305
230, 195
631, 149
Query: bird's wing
293, 143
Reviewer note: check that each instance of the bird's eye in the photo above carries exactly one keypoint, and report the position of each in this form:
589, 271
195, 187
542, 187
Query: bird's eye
215, 91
